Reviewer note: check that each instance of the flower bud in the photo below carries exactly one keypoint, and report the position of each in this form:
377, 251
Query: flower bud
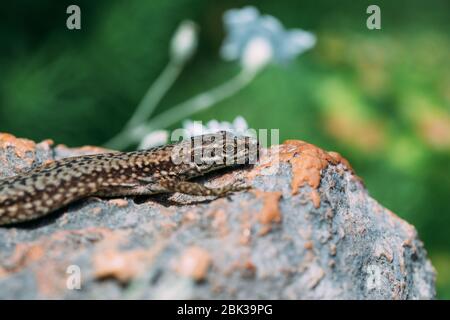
184, 41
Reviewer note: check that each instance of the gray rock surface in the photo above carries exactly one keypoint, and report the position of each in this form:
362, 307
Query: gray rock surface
307, 230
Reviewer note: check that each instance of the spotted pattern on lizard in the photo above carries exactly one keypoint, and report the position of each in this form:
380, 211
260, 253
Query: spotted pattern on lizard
168, 168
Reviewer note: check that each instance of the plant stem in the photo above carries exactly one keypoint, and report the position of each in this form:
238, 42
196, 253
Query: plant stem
147, 105
200, 102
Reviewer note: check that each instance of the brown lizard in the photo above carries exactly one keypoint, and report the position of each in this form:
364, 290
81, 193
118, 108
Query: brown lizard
163, 169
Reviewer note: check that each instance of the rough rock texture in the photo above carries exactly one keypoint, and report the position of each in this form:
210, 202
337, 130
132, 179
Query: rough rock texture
308, 230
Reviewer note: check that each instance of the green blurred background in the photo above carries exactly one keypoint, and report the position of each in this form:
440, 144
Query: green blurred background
381, 98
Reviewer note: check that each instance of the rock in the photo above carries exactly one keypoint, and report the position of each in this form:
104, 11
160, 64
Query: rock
307, 230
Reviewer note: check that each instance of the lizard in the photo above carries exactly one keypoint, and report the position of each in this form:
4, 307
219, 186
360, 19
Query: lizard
164, 169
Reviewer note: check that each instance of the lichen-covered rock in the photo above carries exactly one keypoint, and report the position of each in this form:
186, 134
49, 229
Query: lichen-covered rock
307, 230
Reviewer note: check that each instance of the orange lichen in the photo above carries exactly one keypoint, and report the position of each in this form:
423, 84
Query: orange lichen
270, 211
121, 203
315, 198
250, 266
167, 226
47, 257
244, 264
51, 279
27, 254
121, 265
191, 216
109, 261
307, 163
23, 255
26, 150
219, 222
194, 263
21, 146
308, 245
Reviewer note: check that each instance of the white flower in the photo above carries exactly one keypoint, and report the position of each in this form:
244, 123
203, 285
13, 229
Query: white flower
240, 125
257, 54
184, 41
192, 128
195, 128
154, 139
299, 41
257, 39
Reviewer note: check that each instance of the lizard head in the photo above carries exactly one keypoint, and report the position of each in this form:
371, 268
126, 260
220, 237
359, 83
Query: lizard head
217, 150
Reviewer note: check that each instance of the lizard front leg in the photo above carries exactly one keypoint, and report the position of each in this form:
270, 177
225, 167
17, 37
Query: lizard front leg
197, 189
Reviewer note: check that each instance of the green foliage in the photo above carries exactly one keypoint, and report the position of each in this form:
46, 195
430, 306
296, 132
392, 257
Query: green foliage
380, 98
